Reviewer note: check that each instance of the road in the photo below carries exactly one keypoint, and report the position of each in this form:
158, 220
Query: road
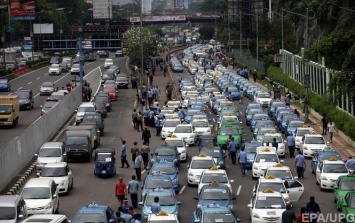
88, 188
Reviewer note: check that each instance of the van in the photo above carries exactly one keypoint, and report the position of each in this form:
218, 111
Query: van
26, 99
41, 196
46, 218
12, 209
50, 152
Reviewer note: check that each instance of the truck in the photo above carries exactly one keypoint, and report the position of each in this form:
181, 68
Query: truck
80, 142
9, 110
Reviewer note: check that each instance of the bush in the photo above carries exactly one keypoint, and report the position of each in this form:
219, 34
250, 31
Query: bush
33, 63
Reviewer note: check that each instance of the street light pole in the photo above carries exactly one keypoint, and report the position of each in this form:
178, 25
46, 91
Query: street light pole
60, 17
240, 32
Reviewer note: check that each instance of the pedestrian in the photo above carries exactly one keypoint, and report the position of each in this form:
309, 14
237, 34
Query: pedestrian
229, 139
124, 154
125, 205
146, 135
233, 151
138, 165
275, 144
296, 112
138, 218
127, 217
157, 125
288, 216
300, 163
350, 163
242, 159
313, 209
89, 92
255, 75
150, 97
179, 78
287, 101
303, 216
146, 116
324, 124
134, 149
139, 121
291, 145
241, 96
169, 92
133, 187
145, 155
331, 128
121, 191
165, 70
134, 119
288, 94
155, 207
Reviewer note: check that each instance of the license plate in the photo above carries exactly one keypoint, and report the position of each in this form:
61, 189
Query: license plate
77, 154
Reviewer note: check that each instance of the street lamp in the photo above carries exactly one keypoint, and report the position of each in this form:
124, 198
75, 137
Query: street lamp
61, 23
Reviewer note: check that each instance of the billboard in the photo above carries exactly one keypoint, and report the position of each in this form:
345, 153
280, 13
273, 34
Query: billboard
102, 9
43, 28
184, 4
22, 9
158, 18
146, 6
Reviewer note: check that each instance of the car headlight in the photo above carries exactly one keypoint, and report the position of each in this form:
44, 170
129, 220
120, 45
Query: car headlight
255, 168
199, 205
9, 119
145, 213
48, 206
324, 178
192, 136
175, 160
63, 183
163, 130
152, 160
183, 151
190, 174
305, 148
230, 207
255, 215
341, 198
175, 180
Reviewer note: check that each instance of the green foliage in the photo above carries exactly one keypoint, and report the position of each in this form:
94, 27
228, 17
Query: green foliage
38, 62
206, 32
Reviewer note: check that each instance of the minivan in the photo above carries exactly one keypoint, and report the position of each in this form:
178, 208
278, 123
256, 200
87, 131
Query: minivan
26, 99
50, 152
12, 209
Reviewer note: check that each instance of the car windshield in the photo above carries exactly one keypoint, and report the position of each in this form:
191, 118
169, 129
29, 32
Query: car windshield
296, 124
177, 142
230, 119
165, 170
73, 140
209, 177
215, 153
347, 185
22, 95
280, 187
286, 118
90, 216
260, 116
225, 132
183, 129
3, 81
202, 164
328, 156
92, 118
121, 78
166, 151
55, 66
251, 148
36, 193
47, 84
164, 200
302, 132
270, 138
154, 183
264, 96
266, 158
104, 157
54, 172
50, 152
205, 142
47, 104
254, 111
86, 109
56, 96
109, 89
277, 104
108, 61
171, 123
107, 76
264, 131
314, 140
335, 168
192, 112
352, 203
269, 202
7, 213
282, 174
214, 194
212, 217
75, 66
200, 124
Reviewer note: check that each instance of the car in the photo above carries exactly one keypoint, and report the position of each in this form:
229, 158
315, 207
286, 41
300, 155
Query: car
5, 85
273, 105
292, 125
197, 165
154, 181
206, 140
96, 119
47, 88
311, 143
250, 114
318, 157
169, 127
285, 119
166, 168
41, 196
214, 175
218, 193
55, 60
187, 132
167, 201
213, 213
259, 134
122, 81
263, 98
166, 153
68, 61
105, 98
250, 149
48, 105
224, 132
269, 138
101, 108
181, 146
342, 186
55, 69
178, 68
300, 132
279, 171
89, 57
64, 67
13, 209
348, 207
101, 213
107, 76
46, 218
202, 126
82, 109
103, 53
26, 98
265, 157
329, 171
119, 53
116, 68
75, 70
61, 174
267, 206
57, 96
216, 153
50, 152
112, 92
108, 63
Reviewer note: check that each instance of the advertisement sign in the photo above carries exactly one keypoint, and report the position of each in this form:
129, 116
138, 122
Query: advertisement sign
184, 4
22, 9
147, 6
86, 44
102, 9
43, 28
158, 18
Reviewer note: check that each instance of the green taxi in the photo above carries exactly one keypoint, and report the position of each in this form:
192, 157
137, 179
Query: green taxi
230, 108
232, 123
342, 186
348, 207
223, 134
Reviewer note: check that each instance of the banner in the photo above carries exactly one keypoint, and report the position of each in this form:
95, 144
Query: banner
184, 4
22, 9
146, 7
158, 18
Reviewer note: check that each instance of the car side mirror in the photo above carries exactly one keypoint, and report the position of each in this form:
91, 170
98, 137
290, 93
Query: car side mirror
344, 205
179, 203
112, 220
36, 154
335, 187
195, 197
54, 195
239, 220
250, 206
281, 161
232, 181
296, 178
38, 174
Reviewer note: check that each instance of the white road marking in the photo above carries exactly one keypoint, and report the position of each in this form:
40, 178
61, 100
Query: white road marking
240, 112
239, 189
143, 172
38, 78
182, 189
10, 94
30, 82
19, 88
36, 95
214, 119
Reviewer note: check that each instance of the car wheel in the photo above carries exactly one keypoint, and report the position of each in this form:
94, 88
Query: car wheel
68, 190
101, 132
72, 184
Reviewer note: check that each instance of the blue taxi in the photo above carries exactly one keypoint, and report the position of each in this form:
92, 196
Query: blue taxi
318, 157
285, 119
168, 169
213, 213
167, 201
216, 153
220, 194
166, 153
205, 140
292, 126
101, 213
250, 149
251, 112
252, 105
5, 85
189, 113
152, 182
273, 105
259, 135
257, 117
261, 123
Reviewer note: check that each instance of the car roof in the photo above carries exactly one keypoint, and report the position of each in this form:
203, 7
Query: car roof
52, 145
56, 165
8, 200
202, 158
265, 180
38, 182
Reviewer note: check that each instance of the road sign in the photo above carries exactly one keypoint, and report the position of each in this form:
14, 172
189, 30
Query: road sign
10, 28
306, 81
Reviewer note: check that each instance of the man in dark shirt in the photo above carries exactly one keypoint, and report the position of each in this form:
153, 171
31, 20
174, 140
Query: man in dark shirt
312, 209
275, 144
288, 216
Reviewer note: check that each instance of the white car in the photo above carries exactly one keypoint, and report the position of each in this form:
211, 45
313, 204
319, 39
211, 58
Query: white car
329, 171
214, 174
269, 138
311, 143
83, 108
197, 165
263, 98
108, 63
61, 174
173, 104
267, 206
169, 127
50, 152
41, 196
187, 132
54, 69
299, 133
265, 157
202, 126
162, 217
186, 89
180, 145
279, 171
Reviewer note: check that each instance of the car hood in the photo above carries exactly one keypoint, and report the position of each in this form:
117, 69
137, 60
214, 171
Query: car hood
47, 88
80, 114
53, 68
35, 203
49, 159
57, 180
23, 101
73, 147
167, 158
168, 209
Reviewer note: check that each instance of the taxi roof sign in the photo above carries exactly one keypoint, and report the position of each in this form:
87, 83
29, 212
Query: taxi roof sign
265, 149
305, 126
162, 213
278, 165
333, 159
268, 190
184, 123
210, 145
173, 136
229, 114
214, 183
270, 177
202, 155
314, 133
272, 132
165, 143
93, 204
214, 168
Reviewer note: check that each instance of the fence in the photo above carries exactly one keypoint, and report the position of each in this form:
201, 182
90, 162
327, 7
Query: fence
248, 60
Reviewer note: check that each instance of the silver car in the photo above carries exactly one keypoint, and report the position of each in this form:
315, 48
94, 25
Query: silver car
47, 88
50, 152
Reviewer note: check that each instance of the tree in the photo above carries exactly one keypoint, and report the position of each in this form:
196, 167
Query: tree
206, 32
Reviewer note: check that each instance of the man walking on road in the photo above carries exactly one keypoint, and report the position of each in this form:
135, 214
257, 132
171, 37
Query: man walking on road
350, 163
300, 163
145, 155
324, 124
291, 145
121, 191
134, 149
233, 151
331, 127
124, 154
242, 158
138, 165
133, 187
146, 135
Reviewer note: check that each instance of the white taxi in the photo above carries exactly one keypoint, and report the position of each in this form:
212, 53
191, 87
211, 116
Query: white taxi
169, 127
329, 171
197, 165
265, 157
186, 89
214, 174
180, 144
267, 206
311, 143
202, 126
187, 132
300, 132
269, 138
173, 104
162, 217
279, 171
263, 98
